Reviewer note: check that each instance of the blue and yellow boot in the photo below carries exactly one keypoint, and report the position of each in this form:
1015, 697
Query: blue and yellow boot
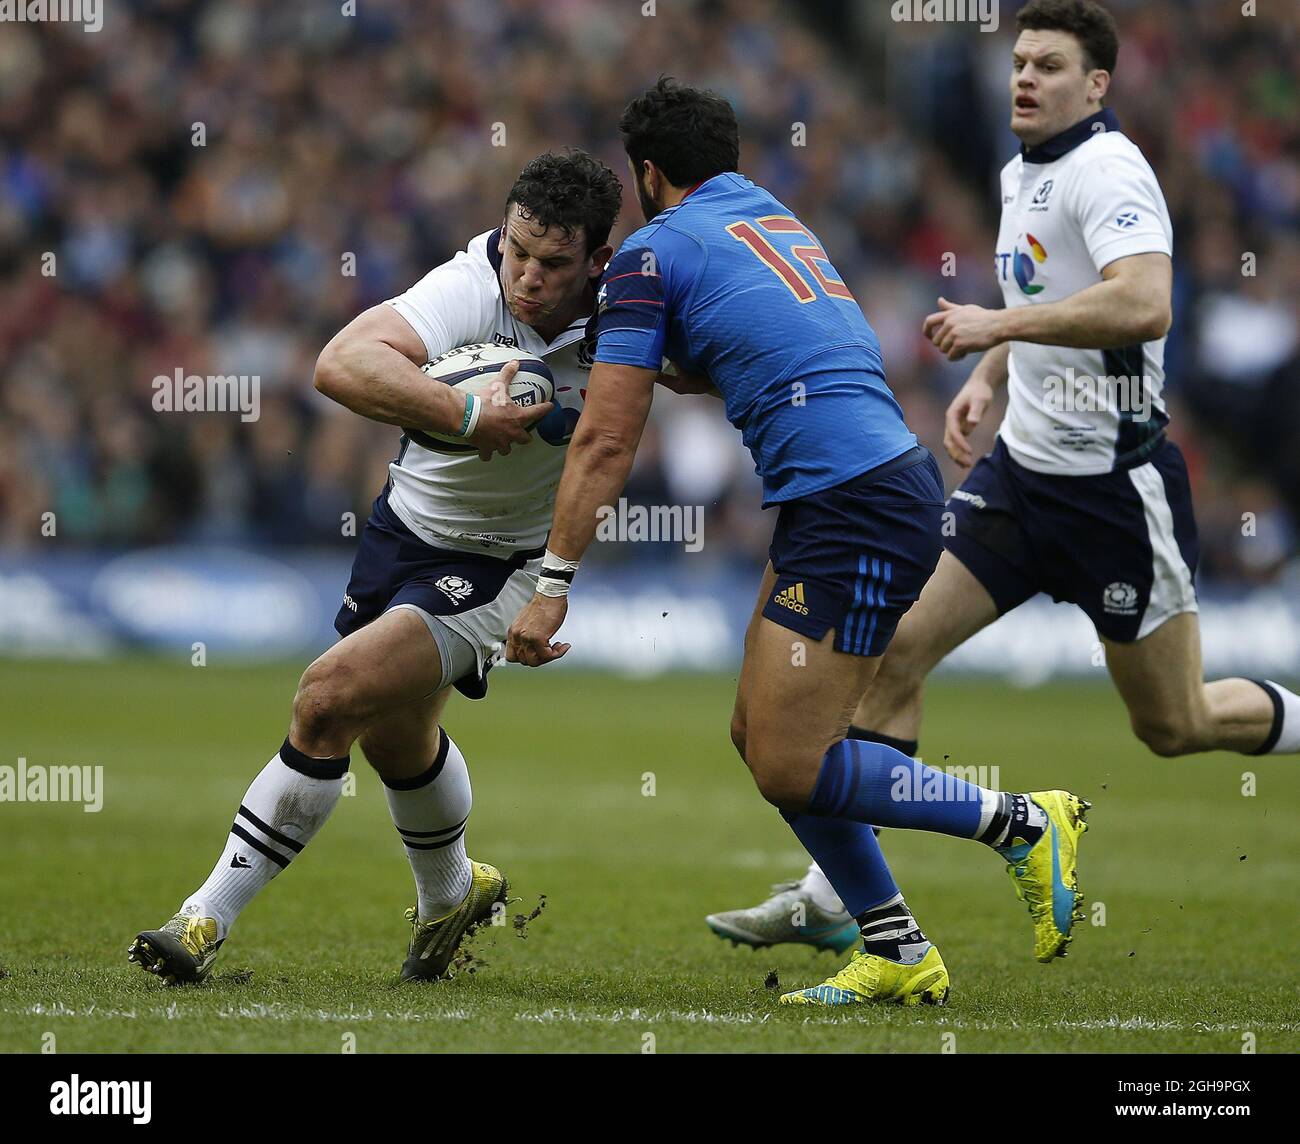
1045, 874
868, 978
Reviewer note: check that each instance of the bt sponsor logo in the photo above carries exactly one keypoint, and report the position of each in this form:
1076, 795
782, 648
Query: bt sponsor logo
1022, 262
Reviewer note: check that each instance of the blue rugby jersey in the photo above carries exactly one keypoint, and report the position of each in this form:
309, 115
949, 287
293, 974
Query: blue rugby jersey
730, 284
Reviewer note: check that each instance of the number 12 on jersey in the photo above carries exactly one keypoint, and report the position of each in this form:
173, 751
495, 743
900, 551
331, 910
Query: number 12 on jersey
782, 267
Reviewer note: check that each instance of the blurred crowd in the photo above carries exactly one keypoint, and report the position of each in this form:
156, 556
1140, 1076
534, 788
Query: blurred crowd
200, 174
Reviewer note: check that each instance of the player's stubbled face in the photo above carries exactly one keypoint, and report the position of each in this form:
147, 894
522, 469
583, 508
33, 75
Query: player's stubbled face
1049, 85
649, 208
544, 272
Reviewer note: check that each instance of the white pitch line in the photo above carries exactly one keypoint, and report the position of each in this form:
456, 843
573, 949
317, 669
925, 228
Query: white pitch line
276, 1012
704, 1016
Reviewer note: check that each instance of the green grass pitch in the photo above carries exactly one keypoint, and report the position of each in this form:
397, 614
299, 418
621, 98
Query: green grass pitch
1194, 880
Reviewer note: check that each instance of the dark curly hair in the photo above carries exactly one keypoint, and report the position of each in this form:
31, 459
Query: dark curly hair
569, 191
689, 134
1086, 21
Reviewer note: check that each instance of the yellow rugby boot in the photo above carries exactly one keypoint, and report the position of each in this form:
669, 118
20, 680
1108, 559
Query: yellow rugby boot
181, 953
1045, 875
868, 978
434, 943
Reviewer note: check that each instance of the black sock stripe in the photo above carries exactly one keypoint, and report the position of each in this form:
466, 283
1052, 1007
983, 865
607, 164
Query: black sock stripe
425, 777
907, 746
258, 845
294, 759
999, 821
432, 833
1279, 709
275, 836
434, 845
444, 745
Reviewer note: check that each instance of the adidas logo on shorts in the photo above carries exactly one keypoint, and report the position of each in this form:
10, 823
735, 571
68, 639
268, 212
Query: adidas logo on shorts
792, 598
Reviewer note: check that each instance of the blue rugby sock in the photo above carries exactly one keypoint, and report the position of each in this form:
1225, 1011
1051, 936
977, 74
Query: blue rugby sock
849, 856
874, 783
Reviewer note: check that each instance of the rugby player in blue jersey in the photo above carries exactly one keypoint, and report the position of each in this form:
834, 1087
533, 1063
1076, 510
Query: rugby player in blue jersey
740, 296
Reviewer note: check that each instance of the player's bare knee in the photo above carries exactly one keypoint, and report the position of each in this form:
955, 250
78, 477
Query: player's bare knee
738, 732
783, 790
1164, 737
779, 778
326, 702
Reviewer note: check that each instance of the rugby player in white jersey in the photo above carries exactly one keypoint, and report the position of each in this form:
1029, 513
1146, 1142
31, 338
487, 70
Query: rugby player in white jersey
449, 555
1083, 496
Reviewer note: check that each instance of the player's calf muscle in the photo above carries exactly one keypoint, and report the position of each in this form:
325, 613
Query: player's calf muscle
400, 753
892, 703
1232, 715
399, 758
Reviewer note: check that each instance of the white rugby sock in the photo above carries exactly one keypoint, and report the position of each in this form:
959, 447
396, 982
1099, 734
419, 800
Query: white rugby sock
819, 888
281, 812
1284, 736
430, 812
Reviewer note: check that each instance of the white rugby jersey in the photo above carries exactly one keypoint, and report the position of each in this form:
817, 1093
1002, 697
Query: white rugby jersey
1069, 208
454, 500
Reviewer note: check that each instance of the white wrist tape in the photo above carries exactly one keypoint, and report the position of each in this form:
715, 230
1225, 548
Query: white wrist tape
556, 575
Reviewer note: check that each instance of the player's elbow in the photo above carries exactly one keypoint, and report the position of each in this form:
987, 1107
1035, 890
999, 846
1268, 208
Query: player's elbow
1155, 322
602, 448
1147, 318
330, 374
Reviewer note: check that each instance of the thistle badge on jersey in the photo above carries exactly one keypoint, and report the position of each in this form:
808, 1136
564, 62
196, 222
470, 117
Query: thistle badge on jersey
1120, 599
455, 588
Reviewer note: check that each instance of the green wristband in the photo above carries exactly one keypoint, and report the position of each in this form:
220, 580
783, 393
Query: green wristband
471, 416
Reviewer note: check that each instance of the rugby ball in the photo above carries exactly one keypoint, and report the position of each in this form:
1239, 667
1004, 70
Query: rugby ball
473, 369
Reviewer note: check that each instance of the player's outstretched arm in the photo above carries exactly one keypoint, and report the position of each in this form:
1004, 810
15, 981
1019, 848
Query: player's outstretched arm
371, 367
595, 471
